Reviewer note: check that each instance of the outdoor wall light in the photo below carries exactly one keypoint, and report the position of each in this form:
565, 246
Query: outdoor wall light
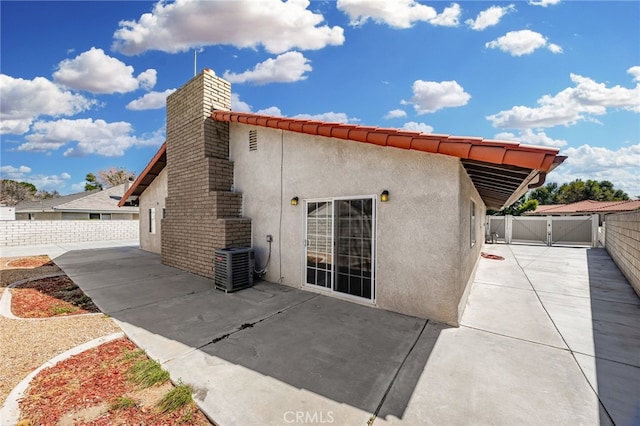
384, 197
294, 201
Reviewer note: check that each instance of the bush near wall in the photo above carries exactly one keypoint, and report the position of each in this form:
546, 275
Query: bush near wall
36, 232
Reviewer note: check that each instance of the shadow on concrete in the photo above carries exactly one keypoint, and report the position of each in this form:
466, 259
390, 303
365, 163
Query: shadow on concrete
349, 353
614, 369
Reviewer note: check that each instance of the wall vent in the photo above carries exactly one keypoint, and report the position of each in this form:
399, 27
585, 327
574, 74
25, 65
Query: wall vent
253, 140
234, 268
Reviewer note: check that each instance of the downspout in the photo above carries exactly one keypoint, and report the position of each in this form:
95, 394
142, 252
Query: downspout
542, 176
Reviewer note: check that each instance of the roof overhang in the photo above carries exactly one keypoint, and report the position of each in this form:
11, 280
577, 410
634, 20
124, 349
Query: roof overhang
148, 175
501, 171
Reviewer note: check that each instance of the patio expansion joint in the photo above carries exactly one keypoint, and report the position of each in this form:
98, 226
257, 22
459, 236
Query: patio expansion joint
395, 376
246, 325
602, 299
155, 302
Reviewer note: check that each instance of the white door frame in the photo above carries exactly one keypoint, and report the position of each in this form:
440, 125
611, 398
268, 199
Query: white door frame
331, 289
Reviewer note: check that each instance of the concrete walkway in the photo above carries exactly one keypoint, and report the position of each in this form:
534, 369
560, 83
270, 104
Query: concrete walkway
549, 336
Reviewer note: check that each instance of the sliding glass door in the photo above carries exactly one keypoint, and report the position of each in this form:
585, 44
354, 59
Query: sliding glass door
339, 246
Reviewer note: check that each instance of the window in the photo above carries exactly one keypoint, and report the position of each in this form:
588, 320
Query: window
152, 220
106, 216
164, 213
472, 228
94, 216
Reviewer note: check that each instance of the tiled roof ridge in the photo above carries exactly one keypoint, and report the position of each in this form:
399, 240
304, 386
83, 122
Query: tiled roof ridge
472, 148
586, 206
609, 204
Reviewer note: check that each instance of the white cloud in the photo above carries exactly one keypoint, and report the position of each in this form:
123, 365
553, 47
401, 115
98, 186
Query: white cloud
10, 172
90, 137
148, 78
274, 110
238, 105
587, 99
241, 106
617, 166
449, 16
21, 101
523, 42
41, 182
185, 24
151, 100
333, 117
419, 127
96, 72
489, 17
395, 113
530, 137
397, 13
543, 3
554, 48
286, 68
431, 96
635, 72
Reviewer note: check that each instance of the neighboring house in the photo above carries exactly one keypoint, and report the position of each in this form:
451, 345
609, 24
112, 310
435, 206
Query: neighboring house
384, 217
98, 204
586, 207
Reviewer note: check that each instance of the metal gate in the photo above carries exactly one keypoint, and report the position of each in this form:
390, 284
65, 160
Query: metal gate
548, 230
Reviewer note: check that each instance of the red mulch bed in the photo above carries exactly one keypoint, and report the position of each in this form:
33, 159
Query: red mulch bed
29, 262
49, 297
96, 378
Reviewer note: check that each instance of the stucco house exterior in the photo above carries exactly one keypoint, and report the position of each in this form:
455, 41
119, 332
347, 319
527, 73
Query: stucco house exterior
383, 217
98, 204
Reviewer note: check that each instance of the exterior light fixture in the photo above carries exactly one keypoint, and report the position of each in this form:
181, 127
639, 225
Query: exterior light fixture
294, 201
384, 197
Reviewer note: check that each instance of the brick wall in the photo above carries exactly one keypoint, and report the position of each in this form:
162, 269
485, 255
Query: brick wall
203, 212
622, 241
36, 232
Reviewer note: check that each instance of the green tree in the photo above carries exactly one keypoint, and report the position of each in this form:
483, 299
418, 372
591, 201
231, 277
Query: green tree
518, 208
91, 182
545, 195
590, 190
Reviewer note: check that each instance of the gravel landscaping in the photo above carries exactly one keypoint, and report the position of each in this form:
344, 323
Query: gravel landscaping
93, 387
28, 344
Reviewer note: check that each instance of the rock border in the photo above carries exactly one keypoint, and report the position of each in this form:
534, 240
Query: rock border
10, 411
5, 300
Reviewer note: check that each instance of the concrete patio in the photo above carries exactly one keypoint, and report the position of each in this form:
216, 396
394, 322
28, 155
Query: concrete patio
549, 336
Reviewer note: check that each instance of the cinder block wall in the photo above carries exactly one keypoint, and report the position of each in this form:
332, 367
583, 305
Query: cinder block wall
36, 232
622, 241
203, 212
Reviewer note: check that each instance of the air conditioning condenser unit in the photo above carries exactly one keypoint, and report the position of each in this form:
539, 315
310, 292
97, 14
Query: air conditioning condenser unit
234, 268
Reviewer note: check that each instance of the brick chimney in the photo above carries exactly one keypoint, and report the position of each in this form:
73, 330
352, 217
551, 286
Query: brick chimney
203, 213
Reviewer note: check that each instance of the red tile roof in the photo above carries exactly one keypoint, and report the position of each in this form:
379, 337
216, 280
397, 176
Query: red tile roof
589, 206
478, 149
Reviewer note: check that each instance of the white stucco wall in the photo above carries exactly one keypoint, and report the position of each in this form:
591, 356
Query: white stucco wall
422, 268
153, 197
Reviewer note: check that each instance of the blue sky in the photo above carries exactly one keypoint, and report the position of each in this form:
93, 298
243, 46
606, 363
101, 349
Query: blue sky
83, 84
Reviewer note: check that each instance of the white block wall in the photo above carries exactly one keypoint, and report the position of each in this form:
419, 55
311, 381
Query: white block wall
36, 232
